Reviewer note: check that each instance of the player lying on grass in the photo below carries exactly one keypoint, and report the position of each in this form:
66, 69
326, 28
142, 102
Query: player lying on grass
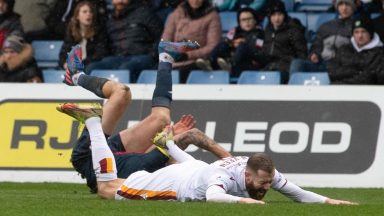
234, 179
131, 147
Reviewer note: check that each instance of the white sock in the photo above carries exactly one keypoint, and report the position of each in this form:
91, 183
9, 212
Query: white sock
76, 77
176, 153
103, 160
165, 57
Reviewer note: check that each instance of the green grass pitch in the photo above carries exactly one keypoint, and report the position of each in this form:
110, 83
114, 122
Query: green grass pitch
74, 199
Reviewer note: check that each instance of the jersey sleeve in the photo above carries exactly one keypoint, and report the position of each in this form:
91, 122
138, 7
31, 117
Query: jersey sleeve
218, 186
294, 192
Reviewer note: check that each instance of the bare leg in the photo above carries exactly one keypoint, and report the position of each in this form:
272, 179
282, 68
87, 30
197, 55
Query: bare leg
119, 98
138, 138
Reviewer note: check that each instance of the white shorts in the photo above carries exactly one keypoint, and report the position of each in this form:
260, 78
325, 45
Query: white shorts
160, 185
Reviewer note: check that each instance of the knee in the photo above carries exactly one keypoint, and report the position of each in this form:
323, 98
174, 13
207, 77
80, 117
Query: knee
162, 118
124, 93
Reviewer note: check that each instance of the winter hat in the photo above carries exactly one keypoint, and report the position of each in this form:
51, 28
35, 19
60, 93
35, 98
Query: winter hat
364, 23
349, 2
278, 6
14, 42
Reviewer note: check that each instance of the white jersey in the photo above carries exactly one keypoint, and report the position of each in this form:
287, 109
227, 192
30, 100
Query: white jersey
164, 184
189, 181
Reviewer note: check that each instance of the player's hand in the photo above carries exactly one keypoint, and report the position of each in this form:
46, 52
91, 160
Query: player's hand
339, 202
185, 123
251, 201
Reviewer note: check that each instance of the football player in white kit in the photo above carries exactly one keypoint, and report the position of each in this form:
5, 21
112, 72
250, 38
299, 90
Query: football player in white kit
231, 180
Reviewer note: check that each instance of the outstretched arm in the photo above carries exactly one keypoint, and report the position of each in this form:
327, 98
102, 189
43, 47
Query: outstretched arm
292, 191
201, 140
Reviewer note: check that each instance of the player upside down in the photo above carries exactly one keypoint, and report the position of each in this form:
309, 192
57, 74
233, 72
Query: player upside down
232, 179
131, 147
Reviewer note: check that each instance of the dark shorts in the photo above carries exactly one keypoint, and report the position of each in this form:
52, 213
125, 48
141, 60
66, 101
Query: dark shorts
126, 163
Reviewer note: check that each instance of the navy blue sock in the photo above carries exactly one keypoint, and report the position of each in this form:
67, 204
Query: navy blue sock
162, 96
93, 84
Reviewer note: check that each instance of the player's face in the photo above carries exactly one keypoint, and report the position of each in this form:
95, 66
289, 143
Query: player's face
3, 6
247, 21
361, 37
85, 15
277, 19
345, 10
258, 183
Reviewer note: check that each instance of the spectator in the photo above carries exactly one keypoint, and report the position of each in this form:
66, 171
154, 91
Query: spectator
193, 20
361, 61
284, 41
83, 30
163, 7
17, 63
239, 47
9, 21
379, 23
134, 32
59, 17
330, 36
34, 14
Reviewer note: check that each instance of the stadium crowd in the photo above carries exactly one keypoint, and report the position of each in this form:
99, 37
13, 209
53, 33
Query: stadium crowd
124, 34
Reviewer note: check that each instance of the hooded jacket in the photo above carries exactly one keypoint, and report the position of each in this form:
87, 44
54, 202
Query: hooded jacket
284, 44
354, 65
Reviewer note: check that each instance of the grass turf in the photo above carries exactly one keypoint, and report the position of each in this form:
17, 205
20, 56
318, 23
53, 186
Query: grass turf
74, 199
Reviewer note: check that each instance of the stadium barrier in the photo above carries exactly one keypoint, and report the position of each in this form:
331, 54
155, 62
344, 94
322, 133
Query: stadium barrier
320, 136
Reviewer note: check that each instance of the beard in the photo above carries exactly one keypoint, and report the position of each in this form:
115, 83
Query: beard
257, 194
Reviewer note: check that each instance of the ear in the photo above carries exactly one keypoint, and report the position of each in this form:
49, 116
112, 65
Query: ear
248, 176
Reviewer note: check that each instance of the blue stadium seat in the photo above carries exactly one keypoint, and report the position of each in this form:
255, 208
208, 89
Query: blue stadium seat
149, 77
260, 77
53, 76
289, 5
47, 53
122, 76
213, 77
300, 16
315, 20
313, 5
309, 78
375, 15
228, 21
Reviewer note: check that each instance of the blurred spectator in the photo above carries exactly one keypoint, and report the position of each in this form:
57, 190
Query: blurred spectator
329, 37
194, 20
260, 6
9, 21
134, 32
237, 51
361, 61
163, 7
362, 8
83, 30
34, 13
284, 41
17, 63
379, 23
59, 16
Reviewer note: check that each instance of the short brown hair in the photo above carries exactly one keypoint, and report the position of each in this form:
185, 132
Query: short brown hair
260, 161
